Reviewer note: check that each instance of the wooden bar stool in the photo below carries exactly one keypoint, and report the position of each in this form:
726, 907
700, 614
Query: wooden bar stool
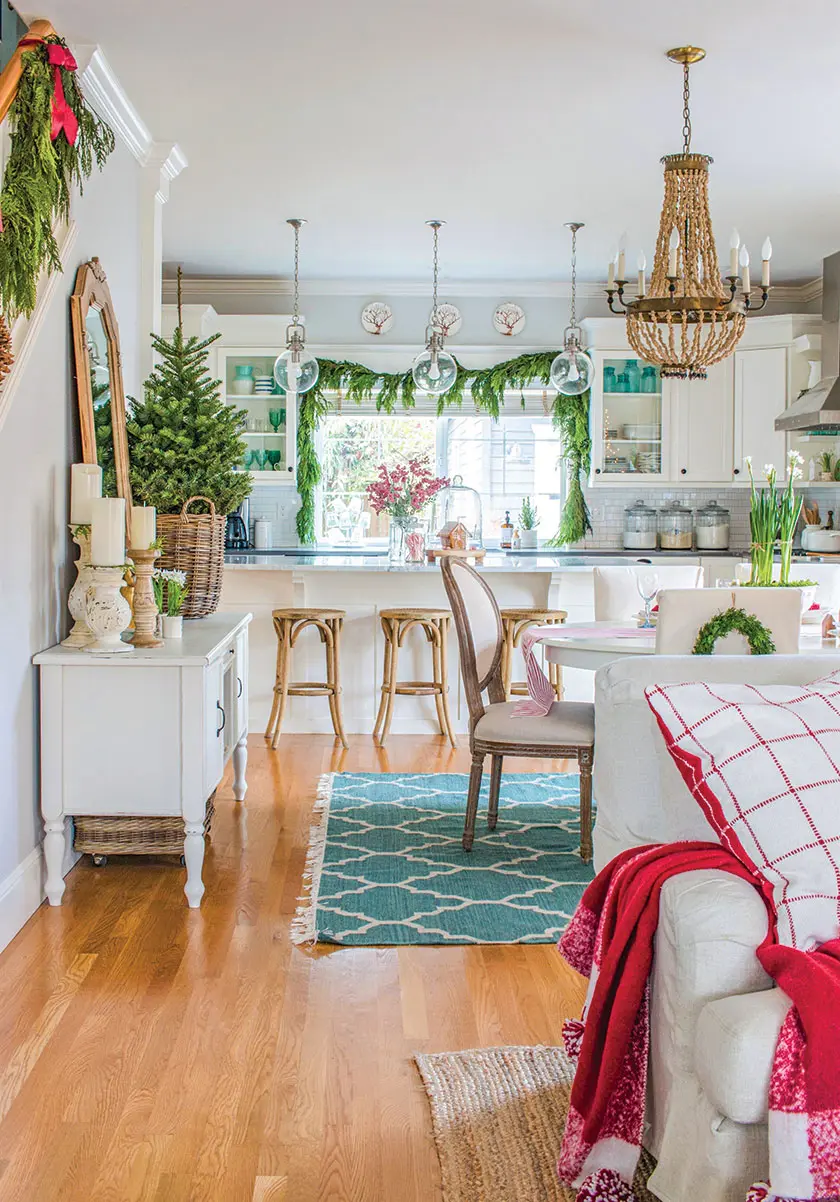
514, 624
288, 623
396, 624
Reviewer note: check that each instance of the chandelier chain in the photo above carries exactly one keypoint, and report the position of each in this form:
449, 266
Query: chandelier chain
686, 111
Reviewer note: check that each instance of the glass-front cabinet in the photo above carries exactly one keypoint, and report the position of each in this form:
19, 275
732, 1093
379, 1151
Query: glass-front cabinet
628, 420
247, 376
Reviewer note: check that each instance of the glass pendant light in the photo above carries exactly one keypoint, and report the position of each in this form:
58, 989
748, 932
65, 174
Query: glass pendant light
572, 370
296, 370
434, 370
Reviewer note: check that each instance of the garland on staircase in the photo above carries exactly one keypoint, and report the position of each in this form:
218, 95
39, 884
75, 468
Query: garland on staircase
55, 142
487, 387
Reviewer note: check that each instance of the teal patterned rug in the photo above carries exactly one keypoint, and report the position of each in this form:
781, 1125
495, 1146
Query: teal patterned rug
386, 867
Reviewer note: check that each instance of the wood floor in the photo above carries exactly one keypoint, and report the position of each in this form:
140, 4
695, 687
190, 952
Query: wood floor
152, 1052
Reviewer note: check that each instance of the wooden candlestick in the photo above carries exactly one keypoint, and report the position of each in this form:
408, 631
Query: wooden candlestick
145, 609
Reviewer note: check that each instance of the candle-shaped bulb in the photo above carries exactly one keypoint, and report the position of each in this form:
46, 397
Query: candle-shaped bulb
734, 240
766, 252
766, 249
734, 243
641, 262
673, 246
744, 259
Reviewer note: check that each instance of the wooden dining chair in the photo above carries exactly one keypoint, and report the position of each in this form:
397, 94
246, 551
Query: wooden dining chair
567, 731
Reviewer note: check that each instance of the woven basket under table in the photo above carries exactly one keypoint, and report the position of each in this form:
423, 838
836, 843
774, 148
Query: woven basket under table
135, 836
195, 543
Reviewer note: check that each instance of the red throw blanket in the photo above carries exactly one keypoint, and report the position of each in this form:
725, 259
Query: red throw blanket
610, 940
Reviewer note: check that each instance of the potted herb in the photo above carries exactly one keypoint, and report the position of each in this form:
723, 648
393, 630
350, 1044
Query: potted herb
529, 520
826, 462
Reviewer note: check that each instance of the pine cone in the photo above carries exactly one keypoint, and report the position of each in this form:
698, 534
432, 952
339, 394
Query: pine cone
6, 356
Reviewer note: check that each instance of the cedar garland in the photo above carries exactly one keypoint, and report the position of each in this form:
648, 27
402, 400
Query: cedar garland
755, 632
40, 175
487, 387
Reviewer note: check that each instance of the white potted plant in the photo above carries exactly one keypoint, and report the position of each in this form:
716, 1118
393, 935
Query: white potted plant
528, 522
170, 588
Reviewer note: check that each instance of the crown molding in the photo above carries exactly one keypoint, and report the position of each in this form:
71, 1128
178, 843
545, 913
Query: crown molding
200, 288
106, 94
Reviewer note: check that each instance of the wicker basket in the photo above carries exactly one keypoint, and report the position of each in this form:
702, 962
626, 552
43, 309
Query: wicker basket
195, 543
135, 836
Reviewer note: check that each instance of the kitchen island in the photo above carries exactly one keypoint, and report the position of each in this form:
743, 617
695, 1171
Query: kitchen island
363, 584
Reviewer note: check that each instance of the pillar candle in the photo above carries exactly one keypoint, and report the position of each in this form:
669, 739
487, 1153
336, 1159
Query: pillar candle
143, 530
107, 534
85, 484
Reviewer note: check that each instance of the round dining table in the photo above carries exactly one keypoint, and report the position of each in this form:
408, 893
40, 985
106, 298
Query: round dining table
590, 645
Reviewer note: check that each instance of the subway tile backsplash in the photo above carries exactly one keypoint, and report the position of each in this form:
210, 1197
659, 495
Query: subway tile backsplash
607, 505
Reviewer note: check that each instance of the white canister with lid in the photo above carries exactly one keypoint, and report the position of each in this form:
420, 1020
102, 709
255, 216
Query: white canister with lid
262, 534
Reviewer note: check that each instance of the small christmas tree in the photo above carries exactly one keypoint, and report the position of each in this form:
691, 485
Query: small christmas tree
184, 440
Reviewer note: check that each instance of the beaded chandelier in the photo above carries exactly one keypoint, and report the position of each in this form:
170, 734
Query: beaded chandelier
690, 318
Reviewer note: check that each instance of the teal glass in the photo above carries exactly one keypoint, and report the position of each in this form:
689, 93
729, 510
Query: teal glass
609, 380
273, 459
631, 370
649, 381
621, 382
275, 416
260, 459
244, 371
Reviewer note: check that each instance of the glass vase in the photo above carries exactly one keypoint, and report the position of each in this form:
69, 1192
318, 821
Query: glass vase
406, 540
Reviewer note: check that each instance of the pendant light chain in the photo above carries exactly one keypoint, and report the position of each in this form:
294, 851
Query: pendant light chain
435, 228
686, 111
296, 315
573, 322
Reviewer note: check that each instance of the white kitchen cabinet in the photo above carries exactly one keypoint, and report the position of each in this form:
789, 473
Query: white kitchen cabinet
701, 427
146, 734
760, 396
630, 411
271, 419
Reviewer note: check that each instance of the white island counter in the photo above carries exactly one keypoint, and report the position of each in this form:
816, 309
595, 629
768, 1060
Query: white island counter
362, 585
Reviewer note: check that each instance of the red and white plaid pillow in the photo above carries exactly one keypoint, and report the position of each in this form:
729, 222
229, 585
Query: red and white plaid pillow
764, 765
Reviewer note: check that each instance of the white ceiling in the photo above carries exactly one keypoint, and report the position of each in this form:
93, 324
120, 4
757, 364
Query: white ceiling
506, 117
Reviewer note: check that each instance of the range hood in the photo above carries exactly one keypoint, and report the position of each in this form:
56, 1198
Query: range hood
818, 409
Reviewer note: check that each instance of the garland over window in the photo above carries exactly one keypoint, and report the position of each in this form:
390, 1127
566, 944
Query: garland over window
55, 141
487, 387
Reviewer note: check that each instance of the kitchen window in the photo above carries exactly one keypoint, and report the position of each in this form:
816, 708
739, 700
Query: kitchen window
516, 456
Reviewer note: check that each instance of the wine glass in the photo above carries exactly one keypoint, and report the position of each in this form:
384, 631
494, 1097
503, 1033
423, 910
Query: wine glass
259, 458
647, 584
273, 460
275, 418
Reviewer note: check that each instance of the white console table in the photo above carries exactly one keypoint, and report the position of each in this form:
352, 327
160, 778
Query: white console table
143, 734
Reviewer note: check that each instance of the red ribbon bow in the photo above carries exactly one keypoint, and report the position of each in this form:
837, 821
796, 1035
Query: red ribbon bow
63, 117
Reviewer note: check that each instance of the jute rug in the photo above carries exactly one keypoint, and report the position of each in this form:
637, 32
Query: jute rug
498, 1116
385, 863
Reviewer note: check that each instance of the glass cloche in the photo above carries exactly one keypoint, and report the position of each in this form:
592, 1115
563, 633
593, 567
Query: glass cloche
457, 517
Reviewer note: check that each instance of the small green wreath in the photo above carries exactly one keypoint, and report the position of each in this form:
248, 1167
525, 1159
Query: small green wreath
755, 632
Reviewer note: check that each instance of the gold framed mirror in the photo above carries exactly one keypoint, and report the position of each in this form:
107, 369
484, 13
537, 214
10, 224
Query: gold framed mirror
99, 382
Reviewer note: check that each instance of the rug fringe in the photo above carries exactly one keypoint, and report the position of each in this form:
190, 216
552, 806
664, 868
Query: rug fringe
303, 928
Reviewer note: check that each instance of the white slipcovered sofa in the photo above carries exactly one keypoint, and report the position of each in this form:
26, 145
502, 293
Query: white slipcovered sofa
715, 1014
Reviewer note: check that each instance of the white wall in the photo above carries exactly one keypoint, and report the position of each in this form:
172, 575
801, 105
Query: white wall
38, 441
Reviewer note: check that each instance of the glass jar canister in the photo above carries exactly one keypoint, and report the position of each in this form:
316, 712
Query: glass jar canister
457, 516
711, 525
676, 525
609, 379
649, 382
640, 527
622, 383
631, 370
